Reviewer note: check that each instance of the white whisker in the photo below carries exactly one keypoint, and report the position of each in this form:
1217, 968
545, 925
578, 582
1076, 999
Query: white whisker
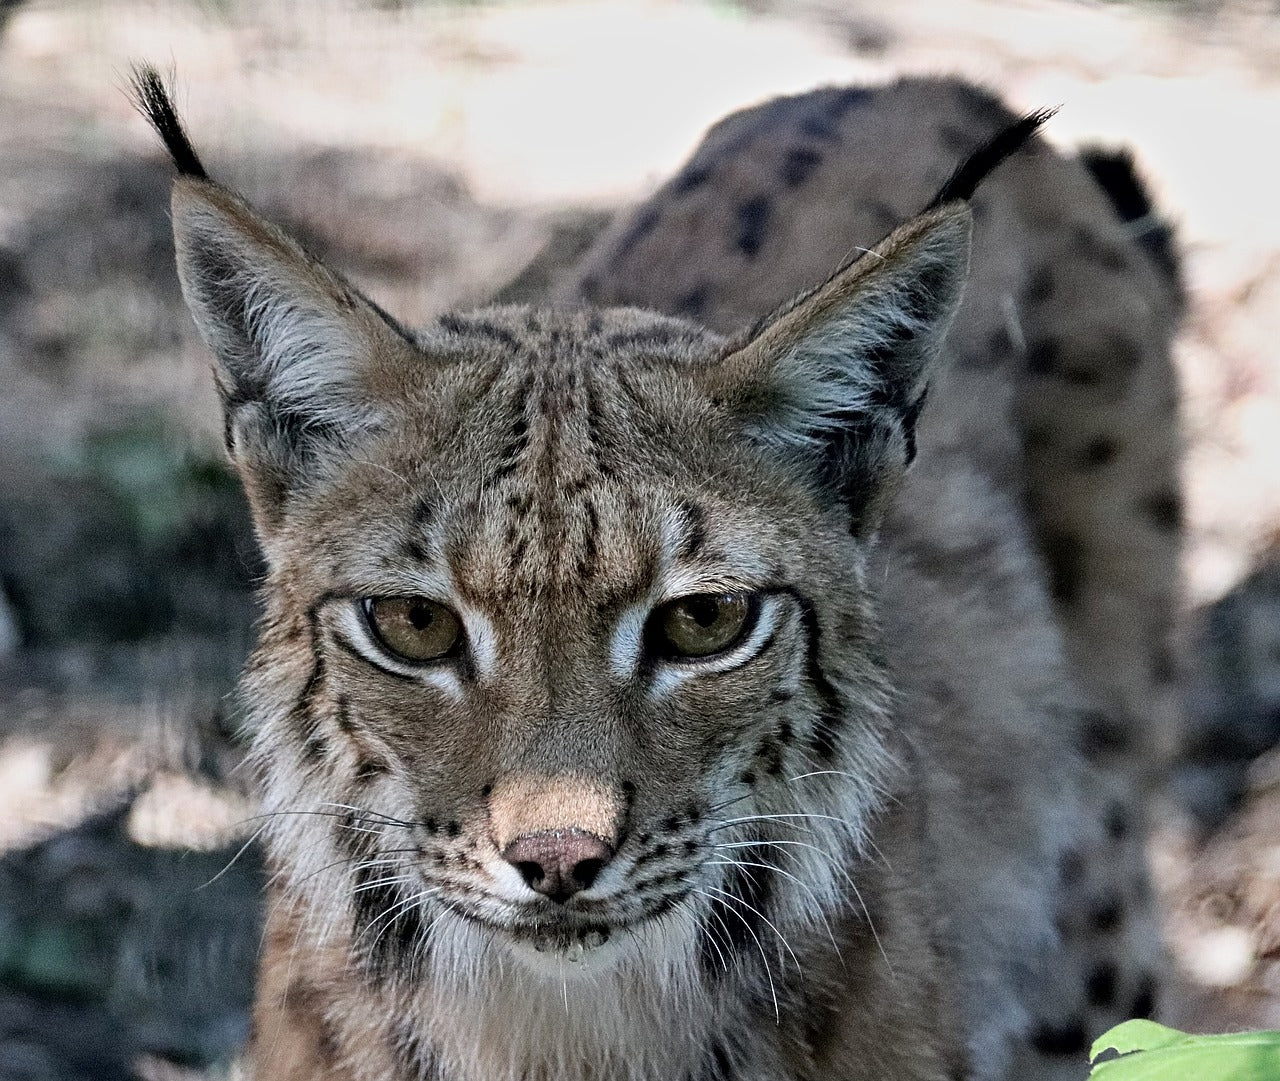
817, 905
831, 859
772, 926
778, 817
231, 862
773, 991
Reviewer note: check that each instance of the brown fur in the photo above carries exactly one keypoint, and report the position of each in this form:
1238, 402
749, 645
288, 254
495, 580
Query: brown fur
846, 844
1060, 381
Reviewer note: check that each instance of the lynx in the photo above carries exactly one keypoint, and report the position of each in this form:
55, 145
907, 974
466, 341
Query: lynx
646, 698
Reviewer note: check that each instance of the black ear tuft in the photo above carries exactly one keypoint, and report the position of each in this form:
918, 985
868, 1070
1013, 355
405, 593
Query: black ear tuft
151, 98
971, 172
833, 384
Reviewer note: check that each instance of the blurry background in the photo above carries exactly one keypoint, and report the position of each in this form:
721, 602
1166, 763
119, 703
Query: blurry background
441, 154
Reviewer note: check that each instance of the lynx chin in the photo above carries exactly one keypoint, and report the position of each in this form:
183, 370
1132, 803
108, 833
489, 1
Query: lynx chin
731, 670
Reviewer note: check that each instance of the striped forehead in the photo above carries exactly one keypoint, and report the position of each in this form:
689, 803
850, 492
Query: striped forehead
564, 389
585, 540
561, 436
601, 550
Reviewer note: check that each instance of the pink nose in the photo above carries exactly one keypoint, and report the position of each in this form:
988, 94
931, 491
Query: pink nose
558, 863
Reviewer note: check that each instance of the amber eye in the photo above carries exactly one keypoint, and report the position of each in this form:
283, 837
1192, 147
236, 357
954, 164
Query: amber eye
413, 628
701, 624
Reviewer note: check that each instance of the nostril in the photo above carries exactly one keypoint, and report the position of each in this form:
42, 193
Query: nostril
531, 872
558, 863
585, 872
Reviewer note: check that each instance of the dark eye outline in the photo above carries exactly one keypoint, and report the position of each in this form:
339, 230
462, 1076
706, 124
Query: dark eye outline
455, 651
656, 642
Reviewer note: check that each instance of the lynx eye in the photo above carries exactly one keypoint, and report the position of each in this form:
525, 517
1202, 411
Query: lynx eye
413, 628
701, 624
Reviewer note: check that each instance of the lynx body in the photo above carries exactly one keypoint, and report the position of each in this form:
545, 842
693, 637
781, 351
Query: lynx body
636, 700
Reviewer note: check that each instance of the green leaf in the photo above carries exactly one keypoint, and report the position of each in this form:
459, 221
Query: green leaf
1151, 1052
1136, 1035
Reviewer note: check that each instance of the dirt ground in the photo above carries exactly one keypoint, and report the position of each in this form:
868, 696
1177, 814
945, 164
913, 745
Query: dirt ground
442, 153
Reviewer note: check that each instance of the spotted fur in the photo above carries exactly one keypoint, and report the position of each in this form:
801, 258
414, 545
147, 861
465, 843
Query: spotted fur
1057, 377
1056, 382
838, 847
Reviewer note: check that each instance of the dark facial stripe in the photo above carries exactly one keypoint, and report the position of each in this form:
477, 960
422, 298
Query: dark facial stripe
720, 1068
386, 945
597, 435
369, 763
657, 339
513, 453
744, 910
416, 1057
351, 651
590, 551
302, 716
830, 708
769, 754
695, 528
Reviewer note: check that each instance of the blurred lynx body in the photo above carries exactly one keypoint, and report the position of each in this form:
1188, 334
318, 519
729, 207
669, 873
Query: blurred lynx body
625, 707
1058, 382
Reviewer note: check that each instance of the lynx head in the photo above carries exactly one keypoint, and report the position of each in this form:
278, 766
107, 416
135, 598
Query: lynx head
567, 637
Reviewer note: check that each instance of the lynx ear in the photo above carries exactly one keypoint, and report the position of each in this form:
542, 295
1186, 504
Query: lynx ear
835, 381
295, 343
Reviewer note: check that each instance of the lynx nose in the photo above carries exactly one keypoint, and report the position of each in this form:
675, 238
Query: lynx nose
558, 863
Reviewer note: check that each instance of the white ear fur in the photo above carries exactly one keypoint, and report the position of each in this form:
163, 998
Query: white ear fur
285, 328
836, 379
295, 343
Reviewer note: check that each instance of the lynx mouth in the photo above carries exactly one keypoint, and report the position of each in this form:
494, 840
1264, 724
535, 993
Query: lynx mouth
570, 946
556, 952
571, 936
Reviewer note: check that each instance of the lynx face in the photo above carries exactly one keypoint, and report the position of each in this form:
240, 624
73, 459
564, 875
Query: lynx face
567, 641
573, 650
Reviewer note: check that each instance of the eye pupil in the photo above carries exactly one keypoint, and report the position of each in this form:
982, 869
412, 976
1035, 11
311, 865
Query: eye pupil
700, 625
413, 628
704, 610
